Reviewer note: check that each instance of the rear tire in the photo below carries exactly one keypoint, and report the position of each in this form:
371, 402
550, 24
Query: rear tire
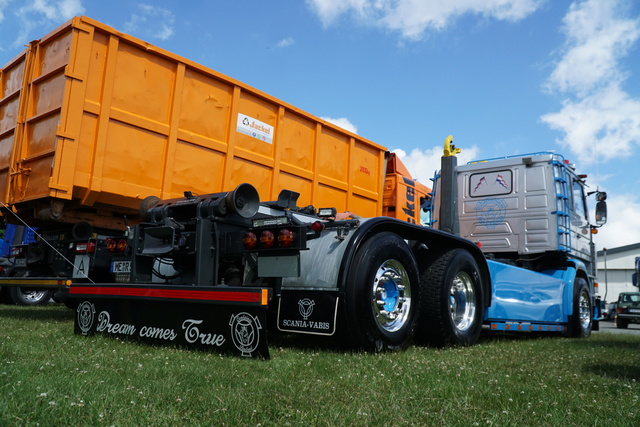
382, 295
453, 304
27, 296
621, 323
582, 319
5, 298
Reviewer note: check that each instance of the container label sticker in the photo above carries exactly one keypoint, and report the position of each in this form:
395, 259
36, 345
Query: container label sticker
255, 128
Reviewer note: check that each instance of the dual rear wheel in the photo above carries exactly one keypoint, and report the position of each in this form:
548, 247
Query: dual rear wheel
453, 306
388, 302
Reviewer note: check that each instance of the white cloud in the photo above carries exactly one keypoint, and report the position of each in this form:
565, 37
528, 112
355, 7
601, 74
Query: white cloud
3, 6
329, 10
343, 122
597, 112
413, 18
422, 164
598, 35
52, 10
36, 14
286, 42
607, 119
151, 22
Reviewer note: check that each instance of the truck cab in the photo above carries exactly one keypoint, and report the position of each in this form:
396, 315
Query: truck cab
528, 214
529, 210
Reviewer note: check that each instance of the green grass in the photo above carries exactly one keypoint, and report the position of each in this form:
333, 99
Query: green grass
49, 376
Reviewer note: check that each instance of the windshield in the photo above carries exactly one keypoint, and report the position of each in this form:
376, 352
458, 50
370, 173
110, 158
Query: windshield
633, 298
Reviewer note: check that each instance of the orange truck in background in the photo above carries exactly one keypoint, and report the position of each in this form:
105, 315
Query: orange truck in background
92, 121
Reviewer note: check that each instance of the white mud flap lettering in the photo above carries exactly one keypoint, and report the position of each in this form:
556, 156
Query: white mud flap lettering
198, 320
308, 312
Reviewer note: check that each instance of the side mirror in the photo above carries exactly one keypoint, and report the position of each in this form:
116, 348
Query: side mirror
601, 213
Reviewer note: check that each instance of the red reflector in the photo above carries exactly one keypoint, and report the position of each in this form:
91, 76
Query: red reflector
267, 239
249, 240
317, 226
285, 238
122, 245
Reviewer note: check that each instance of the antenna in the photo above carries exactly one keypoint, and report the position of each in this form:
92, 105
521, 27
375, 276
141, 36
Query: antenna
595, 155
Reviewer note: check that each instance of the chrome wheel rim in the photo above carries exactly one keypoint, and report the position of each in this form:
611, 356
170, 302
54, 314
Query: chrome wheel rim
584, 307
33, 296
462, 301
391, 296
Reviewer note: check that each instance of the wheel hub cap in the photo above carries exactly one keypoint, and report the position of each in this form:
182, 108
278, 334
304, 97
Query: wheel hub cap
391, 295
462, 301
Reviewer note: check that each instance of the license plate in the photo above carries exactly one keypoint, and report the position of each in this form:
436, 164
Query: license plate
121, 267
81, 266
21, 262
279, 266
634, 310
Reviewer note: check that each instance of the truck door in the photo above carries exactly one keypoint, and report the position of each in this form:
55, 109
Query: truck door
579, 228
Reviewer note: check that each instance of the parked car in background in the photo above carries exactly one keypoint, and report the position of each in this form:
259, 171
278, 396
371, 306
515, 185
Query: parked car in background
628, 309
609, 311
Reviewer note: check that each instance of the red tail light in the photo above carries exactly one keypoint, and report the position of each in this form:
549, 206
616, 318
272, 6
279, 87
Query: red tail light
285, 238
250, 241
267, 239
122, 246
86, 248
111, 245
317, 226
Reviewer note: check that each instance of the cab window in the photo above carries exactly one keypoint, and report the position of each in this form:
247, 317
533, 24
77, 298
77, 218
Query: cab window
578, 208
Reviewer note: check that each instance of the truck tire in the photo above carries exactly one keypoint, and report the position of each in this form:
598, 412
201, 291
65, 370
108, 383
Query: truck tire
27, 296
452, 307
621, 323
382, 295
581, 321
5, 298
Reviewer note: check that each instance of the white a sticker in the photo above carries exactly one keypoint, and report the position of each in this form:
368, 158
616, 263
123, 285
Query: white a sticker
255, 128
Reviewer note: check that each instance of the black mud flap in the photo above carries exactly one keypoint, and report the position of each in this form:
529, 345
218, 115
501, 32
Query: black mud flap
308, 312
227, 320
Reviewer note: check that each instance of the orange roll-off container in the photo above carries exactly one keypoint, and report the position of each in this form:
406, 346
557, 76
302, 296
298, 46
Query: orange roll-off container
92, 121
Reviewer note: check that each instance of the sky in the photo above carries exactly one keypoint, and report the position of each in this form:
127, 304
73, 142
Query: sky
504, 77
